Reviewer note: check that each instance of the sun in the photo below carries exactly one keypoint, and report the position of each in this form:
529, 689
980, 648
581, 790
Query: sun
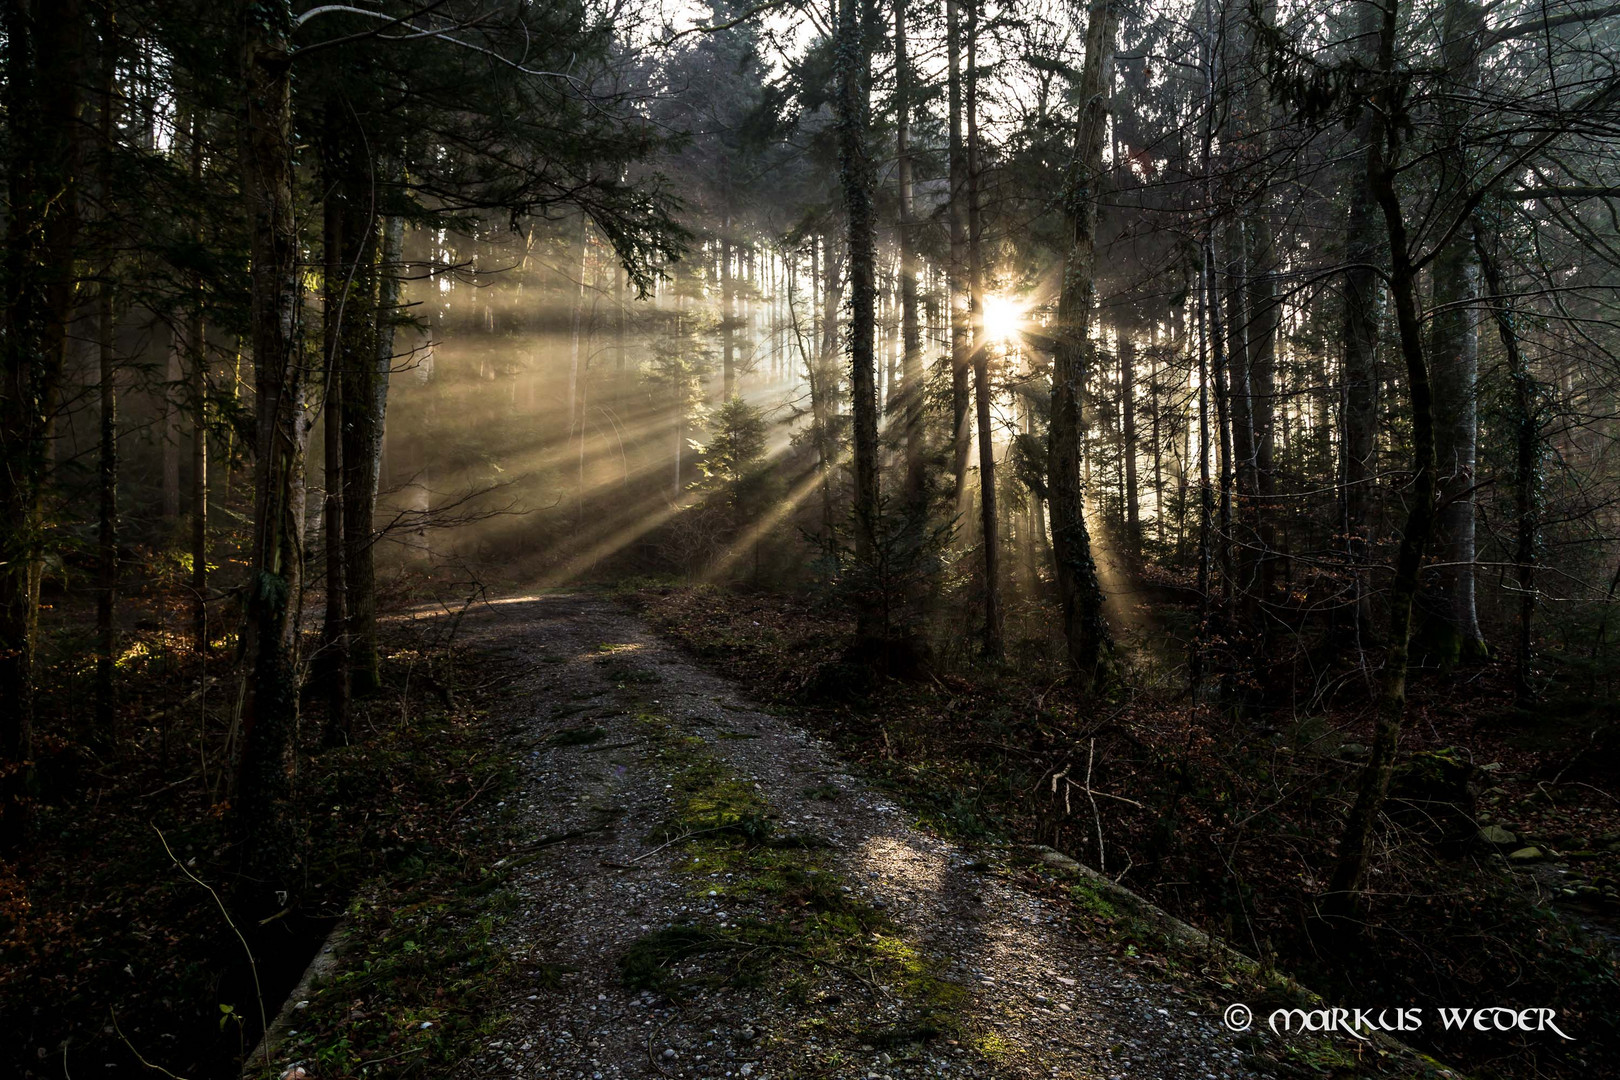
1003, 317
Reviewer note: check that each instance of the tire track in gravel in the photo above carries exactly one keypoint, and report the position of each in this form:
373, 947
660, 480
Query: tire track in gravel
1028, 996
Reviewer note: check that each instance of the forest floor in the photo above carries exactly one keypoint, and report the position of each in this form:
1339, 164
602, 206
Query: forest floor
694, 885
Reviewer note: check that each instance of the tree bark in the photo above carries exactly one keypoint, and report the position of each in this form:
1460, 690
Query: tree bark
334, 661
366, 406
1127, 392
197, 398
728, 317
44, 59
1452, 629
1361, 316
363, 364
1090, 646
855, 179
1344, 890
911, 373
173, 388
1526, 472
956, 270
989, 531
107, 375
264, 788
1260, 359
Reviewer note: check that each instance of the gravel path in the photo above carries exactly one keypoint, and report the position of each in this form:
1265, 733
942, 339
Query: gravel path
1028, 995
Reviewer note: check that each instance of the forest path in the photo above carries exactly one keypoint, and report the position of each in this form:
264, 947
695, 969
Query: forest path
816, 932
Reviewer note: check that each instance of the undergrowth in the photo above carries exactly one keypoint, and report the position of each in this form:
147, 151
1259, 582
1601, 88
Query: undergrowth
112, 954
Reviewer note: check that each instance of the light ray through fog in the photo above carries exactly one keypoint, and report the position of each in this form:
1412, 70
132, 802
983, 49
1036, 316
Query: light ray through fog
769, 522
576, 566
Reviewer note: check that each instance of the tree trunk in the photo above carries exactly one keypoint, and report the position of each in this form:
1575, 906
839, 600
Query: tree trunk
832, 293
363, 365
366, 406
264, 788
855, 178
1356, 840
728, 318
957, 283
911, 367
44, 59
107, 374
1260, 358
989, 532
1239, 478
173, 387
334, 660
197, 398
576, 356
1209, 320
1127, 393
1452, 627
1360, 421
1080, 593
1526, 478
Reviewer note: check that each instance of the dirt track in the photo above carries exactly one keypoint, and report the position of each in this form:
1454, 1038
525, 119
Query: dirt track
947, 968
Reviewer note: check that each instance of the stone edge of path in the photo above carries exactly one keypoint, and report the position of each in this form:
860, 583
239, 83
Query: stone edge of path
1188, 939
326, 961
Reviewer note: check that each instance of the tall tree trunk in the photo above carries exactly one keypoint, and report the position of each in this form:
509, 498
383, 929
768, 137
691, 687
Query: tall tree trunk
728, 316
334, 661
44, 59
1127, 393
107, 533
911, 366
957, 266
173, 389
365, 408
855, 169
1223, 349
1260, 358
1355, 843
1452, 626
1360, 422
576, 356
107, 374
364, 395
1079, 591
832, 298
1209, 321
1157, 436
1239, 476
197, 398
989, 533
264, 789
1526, 471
